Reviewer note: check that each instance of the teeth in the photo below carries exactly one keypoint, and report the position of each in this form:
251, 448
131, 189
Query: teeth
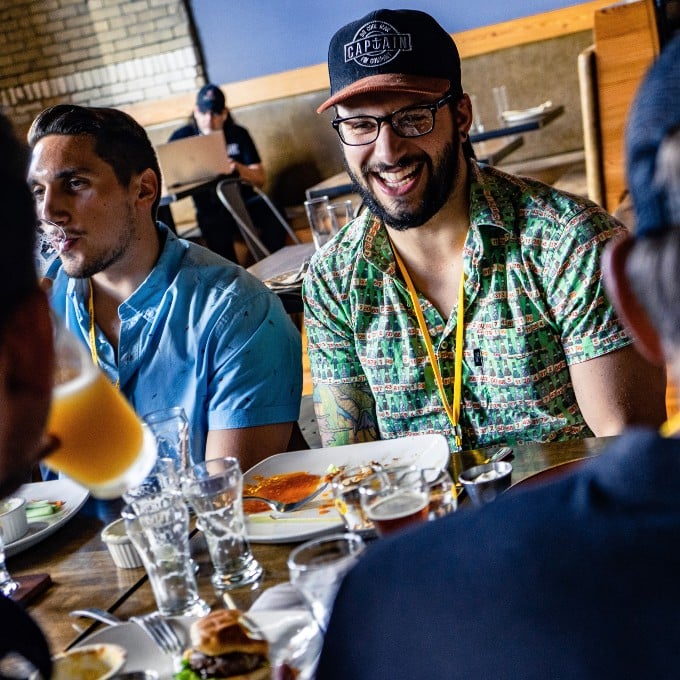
399, 176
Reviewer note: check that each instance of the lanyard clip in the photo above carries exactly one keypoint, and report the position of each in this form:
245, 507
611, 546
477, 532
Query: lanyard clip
458, 434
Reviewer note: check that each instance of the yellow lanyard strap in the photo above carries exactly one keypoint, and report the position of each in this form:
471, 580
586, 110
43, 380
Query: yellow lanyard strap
452, 412
93, 334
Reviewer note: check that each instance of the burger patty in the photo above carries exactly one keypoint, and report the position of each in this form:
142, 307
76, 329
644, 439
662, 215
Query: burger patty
225, 665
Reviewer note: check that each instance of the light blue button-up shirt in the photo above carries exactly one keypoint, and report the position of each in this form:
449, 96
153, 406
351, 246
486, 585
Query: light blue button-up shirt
201, 333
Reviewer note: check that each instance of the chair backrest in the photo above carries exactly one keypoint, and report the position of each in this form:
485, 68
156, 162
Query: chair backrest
229, 193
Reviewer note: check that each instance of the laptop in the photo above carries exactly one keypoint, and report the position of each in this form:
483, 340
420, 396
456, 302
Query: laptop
192, 160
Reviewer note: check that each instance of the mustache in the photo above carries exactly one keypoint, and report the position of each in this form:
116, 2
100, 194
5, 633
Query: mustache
403, 162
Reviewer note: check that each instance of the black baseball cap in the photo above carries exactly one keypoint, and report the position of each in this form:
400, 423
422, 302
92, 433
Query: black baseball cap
210, 98
392, 51
654, 117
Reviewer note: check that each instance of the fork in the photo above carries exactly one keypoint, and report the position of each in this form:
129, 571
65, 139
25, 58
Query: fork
160, 631
280, 506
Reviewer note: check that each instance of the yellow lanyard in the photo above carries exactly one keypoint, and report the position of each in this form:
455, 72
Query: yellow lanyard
93, 335
453, 412
671, 426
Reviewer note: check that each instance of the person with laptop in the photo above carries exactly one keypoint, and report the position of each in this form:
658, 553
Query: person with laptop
170, 323
211, 114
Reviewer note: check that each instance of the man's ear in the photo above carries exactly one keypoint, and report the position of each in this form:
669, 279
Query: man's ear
463, 114
629, 308
146, 187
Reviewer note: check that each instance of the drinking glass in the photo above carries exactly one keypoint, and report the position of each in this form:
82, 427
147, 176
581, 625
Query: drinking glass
103, 445
7, 584
443, 498
340, 213
319, 220
215, 491
158, 526
316, 568
171, 429
49, 242
395, 498
477, 125
500, 97
345, 485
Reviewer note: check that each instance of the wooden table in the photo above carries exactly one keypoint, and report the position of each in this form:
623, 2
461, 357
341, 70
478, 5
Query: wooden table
84, 575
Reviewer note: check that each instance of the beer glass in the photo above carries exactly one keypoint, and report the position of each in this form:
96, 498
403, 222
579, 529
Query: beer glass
103, 445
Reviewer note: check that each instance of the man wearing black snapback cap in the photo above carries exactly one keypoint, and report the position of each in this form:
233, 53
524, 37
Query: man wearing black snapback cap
217, 226
576, 578
464, 300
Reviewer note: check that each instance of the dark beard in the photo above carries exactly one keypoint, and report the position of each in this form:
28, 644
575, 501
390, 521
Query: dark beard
443, 176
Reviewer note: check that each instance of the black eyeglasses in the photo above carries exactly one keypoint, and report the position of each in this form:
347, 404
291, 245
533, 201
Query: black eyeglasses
412, 121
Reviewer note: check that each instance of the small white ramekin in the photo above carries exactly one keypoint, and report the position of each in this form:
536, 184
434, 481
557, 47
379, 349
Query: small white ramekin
123, 552
13, 522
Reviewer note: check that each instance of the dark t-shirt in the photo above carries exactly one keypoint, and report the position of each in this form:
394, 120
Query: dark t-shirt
217, 225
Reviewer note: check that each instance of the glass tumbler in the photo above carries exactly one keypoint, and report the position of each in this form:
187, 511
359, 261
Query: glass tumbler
158, 526
215, 491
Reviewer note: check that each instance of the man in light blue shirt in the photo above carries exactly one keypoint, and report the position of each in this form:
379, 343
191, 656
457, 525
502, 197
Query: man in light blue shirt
171, 323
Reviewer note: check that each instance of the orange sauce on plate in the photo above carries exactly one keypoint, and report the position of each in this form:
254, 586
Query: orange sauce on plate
287, 487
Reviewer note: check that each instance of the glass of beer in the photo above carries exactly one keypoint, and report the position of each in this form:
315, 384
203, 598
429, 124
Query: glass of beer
395, 498
102, 443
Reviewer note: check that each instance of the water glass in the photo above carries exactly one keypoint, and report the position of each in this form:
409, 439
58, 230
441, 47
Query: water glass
215, 490
443, 498
340, 213
49, 242
477, 125
171, 429
158, 526
163, 479
103, 445
7, 584
319, 220
345, 485
500, 98
316, 569
395, 498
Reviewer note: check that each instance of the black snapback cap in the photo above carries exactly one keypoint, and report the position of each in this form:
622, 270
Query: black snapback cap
392, 51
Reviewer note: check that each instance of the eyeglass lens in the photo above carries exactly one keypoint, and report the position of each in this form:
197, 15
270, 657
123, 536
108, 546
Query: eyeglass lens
412, 122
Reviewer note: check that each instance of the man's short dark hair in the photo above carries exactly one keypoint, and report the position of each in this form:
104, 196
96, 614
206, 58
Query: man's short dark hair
17, 271
118, 139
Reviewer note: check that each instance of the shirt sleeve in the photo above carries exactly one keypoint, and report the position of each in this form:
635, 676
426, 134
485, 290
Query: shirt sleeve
331, 347
574, 285
256, 366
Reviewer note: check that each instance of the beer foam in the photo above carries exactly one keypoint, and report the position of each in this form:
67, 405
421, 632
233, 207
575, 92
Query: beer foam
76, 384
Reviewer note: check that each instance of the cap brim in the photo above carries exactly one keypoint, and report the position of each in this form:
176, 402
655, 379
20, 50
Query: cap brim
389, 82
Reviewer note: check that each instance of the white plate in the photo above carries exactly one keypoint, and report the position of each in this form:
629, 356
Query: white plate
526, 115
39, 528
320, 517
291, 633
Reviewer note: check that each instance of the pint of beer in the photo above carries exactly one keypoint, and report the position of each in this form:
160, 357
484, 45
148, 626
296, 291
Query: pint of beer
102, 443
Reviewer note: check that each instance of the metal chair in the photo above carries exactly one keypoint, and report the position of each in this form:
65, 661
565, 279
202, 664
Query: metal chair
229, 193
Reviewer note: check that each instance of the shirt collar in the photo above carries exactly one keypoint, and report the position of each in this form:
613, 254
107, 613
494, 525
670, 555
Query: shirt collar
490, 206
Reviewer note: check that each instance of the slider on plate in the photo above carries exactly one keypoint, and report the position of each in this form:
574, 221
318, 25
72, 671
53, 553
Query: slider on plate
223, 648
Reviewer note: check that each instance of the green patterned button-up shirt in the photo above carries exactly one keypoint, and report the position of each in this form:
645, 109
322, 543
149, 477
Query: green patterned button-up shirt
534, 305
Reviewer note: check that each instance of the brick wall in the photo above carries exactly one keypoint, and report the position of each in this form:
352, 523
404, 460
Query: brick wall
93, 52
